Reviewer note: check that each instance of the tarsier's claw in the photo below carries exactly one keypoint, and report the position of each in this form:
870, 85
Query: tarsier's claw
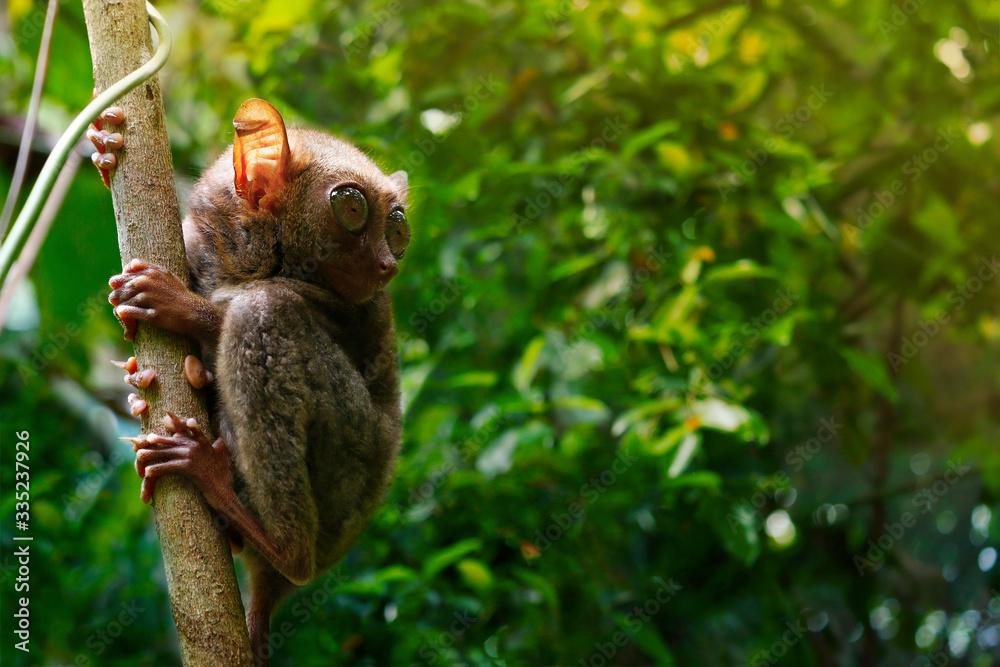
113, 115
129, 366
104, 161
138, 441
195, 372
173, 423
128, 315
137, 405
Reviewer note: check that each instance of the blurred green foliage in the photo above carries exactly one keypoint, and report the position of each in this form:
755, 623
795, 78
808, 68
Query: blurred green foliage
699, 309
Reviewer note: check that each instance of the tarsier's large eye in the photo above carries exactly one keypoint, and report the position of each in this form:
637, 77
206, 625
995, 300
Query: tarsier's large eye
350, 206
397, 233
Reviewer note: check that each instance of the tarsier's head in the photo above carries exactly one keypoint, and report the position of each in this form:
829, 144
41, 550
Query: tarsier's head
341, 221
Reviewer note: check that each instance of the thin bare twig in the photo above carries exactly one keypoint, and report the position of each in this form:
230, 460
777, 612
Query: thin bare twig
21, 166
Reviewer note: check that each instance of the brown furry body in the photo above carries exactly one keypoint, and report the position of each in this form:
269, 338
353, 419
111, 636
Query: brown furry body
291, 240
307, 382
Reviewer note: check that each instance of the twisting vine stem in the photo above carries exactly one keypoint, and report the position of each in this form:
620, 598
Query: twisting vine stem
47, 177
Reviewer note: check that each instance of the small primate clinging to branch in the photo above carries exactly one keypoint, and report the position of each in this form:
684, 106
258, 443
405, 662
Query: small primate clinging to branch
291, 239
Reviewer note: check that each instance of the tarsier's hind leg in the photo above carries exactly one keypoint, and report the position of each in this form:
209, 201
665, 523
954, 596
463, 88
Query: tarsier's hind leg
267, 588
263, 386
262, 381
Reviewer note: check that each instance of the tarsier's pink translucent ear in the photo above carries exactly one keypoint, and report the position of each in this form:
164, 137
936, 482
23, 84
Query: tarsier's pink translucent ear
260, 154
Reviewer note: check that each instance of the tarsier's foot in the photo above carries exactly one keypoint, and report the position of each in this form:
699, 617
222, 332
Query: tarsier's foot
186, 451
150, 293
106, 141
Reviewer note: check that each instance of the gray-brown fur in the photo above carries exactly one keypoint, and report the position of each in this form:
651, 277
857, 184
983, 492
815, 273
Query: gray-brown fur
307, 380
290, 249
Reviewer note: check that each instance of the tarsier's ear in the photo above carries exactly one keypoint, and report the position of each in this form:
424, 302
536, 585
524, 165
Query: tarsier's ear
260, 154
400, 179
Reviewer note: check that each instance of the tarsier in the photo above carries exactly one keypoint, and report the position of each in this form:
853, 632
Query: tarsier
291, 239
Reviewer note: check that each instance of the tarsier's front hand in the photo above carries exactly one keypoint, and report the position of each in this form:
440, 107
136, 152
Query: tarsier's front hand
152, 294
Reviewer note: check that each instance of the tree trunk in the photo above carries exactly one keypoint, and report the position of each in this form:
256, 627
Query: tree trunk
203, 592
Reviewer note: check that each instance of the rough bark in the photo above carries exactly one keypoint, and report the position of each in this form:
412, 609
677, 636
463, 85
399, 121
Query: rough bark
200, 577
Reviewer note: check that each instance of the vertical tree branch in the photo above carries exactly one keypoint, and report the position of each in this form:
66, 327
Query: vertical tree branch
203, 591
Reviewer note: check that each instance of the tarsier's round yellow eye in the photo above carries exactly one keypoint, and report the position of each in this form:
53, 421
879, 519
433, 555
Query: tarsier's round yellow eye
350, 206
397, 233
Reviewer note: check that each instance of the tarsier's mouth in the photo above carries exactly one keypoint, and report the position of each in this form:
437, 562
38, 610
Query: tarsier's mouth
354, 287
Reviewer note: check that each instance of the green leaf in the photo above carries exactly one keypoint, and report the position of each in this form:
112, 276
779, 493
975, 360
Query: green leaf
631, 418
645, 138
527, 366
739, 270
748, 89
475, 574
646, 636
735, 525
395, 573
872, 370
598, 410
541, 584
575, 265
673, 438
449, 555
473, 379
701, 479
674, 157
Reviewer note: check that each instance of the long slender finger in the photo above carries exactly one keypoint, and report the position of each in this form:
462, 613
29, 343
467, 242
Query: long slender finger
96, 137
130, 326
174, 424
146, 492
186, 427
137, 405
147, 457
130, 289
128, 316
129, 272
158, 469
157, 441
154, 441
120, 279
127, 292
221, 447
142, 379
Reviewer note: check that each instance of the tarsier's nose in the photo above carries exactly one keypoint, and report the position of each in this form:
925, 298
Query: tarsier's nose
387, 269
